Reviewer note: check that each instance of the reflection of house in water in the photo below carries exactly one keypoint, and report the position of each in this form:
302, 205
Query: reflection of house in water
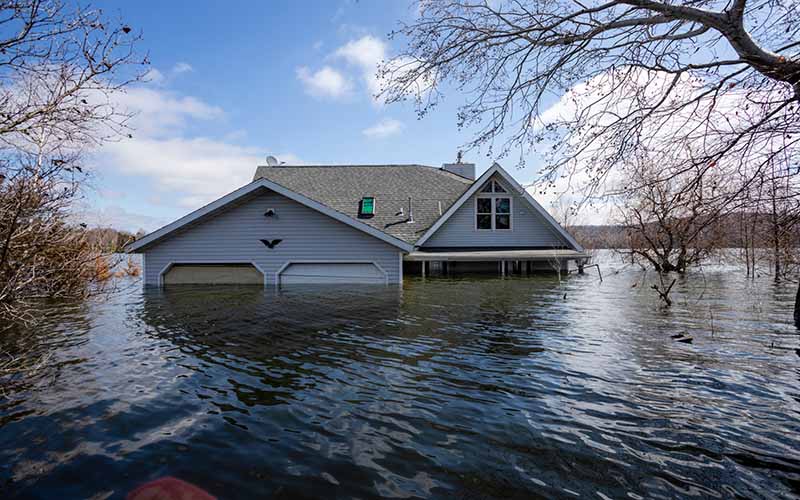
270, 334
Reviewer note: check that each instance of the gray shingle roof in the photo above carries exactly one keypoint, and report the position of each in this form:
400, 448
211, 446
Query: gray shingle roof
341, 188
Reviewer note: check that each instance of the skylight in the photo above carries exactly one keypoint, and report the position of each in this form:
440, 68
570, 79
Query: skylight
366, 207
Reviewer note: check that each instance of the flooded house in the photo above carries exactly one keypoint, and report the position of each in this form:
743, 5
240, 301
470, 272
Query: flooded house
359, 224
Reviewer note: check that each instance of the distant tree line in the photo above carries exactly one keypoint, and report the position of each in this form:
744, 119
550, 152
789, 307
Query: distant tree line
108, 240
756, 239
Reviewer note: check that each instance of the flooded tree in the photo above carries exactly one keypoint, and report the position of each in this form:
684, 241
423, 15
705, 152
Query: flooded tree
60, 66
671, 225
587, 87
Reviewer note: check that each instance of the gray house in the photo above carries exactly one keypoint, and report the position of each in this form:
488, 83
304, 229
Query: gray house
359, 224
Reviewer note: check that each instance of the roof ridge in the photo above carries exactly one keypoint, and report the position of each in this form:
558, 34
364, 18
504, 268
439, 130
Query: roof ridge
354, 165
440, 170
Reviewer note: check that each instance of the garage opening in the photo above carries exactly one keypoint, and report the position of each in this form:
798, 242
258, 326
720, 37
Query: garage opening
213, 274
332, 273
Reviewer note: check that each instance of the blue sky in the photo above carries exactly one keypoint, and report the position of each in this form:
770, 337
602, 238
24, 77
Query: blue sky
233, 82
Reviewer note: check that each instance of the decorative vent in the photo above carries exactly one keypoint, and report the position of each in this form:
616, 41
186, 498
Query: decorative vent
270, 243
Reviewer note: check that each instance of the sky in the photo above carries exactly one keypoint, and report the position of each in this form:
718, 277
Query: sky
230, 83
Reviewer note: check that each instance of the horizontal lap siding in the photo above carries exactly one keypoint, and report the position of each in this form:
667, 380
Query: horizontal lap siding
233, 236
529, 229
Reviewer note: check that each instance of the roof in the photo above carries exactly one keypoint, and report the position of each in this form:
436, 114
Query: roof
341, 187
336, 191
260, 184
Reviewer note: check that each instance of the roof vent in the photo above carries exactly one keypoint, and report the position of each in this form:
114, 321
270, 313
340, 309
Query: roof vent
466, 170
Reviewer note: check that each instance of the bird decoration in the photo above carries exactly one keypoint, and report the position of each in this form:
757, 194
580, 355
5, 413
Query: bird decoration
271, 243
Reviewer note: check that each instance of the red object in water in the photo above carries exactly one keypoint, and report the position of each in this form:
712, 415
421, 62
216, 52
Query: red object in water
169, 488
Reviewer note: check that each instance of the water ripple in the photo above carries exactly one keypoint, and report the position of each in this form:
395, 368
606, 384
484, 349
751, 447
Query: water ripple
448, 389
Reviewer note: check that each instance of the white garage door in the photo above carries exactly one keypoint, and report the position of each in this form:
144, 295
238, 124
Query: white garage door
326, 273
213, 274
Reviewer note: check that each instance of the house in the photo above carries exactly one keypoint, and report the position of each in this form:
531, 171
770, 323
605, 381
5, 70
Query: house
359, 224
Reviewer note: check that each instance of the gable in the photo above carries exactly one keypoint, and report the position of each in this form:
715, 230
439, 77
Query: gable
519, 193
234, 197
235, 234
528, 228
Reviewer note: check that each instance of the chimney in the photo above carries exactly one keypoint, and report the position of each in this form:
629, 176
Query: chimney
459, 168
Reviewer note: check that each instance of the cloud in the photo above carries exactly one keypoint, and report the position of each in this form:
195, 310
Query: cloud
324, 83
158, 112
384, 128
185, 171
182, 67
370, 55
153, 76
200, 168
365, 53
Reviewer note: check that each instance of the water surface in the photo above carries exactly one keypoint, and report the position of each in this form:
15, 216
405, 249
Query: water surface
472, 388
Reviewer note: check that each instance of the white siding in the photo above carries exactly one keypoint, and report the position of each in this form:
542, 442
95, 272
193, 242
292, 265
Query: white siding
529, 228
233, 236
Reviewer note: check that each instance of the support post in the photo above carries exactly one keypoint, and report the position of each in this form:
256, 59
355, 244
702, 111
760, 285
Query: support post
423, 269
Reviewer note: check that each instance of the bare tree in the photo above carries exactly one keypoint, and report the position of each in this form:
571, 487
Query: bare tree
629, 78
60, 66
671, 225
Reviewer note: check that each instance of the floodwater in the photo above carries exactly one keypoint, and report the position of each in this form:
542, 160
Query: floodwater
469, 388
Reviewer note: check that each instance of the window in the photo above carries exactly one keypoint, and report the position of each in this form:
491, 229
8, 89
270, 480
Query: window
366, 207
493, 213
502, 213
493, 187
484, 213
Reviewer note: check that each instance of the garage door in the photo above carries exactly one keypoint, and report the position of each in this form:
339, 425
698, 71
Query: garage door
213, 274
326, 273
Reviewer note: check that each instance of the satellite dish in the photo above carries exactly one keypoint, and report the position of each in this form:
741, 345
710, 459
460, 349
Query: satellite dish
272, 161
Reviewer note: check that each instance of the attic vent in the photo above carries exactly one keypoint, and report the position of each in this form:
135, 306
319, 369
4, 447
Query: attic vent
367, 207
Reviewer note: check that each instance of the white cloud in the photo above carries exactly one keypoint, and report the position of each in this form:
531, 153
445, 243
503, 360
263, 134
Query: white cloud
200, 169
366, 53
153, 76
324, 83
384, 128
158, 111
182, 67
184, 171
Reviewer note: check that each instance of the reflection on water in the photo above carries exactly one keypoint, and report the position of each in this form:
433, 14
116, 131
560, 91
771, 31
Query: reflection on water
452, 389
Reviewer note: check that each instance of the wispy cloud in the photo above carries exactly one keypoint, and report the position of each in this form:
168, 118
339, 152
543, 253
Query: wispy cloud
153, 76
182, 67
384, 128
324, 83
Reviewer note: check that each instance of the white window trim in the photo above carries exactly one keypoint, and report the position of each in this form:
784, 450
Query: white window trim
492, 196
